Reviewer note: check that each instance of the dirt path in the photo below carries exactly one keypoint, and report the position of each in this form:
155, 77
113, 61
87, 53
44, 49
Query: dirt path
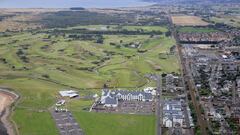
6, 99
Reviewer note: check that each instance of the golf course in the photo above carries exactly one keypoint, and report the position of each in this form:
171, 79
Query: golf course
37, 64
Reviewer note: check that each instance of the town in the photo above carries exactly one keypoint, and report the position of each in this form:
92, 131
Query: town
129, 67
210, 62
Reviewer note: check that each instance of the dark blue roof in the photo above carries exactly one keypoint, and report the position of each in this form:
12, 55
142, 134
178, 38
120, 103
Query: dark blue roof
110, 100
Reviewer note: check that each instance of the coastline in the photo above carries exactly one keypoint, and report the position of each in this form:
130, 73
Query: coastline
7, 99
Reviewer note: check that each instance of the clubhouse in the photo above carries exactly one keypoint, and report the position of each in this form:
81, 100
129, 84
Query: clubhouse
110, 98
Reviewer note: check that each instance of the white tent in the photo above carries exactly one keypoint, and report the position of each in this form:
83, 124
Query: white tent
68, 93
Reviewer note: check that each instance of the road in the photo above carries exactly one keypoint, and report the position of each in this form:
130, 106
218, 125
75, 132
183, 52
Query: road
159, 105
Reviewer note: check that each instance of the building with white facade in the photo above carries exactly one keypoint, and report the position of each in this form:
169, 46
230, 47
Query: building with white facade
69, 93
110, 98
172, 113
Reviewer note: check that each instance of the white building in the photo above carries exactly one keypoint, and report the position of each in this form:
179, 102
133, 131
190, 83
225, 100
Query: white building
68, 93
151, 90
172, 113
111, 98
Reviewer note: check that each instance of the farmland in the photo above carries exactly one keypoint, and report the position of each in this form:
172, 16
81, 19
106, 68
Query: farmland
38, 64
188, 21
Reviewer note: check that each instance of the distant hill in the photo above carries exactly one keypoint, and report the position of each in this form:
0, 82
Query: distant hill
192, 1
77, 8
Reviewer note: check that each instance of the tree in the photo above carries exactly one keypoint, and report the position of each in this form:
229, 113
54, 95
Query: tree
99, 41
45, 76
168, 33
118, 46
105, 86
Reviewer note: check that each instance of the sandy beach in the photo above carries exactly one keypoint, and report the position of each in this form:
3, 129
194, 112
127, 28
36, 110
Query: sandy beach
6, 99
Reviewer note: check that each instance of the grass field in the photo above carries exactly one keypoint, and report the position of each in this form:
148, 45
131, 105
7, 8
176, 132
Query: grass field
229, 20
34, 123
196, 29
188, 21
105, 124
37, 68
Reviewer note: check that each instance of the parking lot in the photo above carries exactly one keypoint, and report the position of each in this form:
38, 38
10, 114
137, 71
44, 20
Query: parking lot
128, 107
66, 124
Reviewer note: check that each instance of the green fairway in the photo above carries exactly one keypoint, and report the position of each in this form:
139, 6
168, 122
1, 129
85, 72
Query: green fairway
39, 65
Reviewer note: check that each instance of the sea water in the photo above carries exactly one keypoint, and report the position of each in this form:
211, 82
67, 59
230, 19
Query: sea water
71, 3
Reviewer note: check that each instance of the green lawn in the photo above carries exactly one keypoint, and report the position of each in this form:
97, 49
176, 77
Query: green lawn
35, 94
34, 123
109, 124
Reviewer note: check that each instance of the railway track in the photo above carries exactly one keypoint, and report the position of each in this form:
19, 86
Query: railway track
186, 72
192, 89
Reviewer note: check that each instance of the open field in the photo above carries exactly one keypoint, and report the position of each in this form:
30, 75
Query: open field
229, 20
116, 27
196, 29
17, 19
38, 65
188, 21
31, 19
34, 123
107, 124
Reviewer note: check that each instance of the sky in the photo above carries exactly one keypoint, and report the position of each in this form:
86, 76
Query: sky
70, 3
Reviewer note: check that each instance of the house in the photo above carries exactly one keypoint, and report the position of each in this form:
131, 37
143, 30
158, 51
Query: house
238, 87
68, 93
172, 113
168, 122
151, 90
110, 98
173, 83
